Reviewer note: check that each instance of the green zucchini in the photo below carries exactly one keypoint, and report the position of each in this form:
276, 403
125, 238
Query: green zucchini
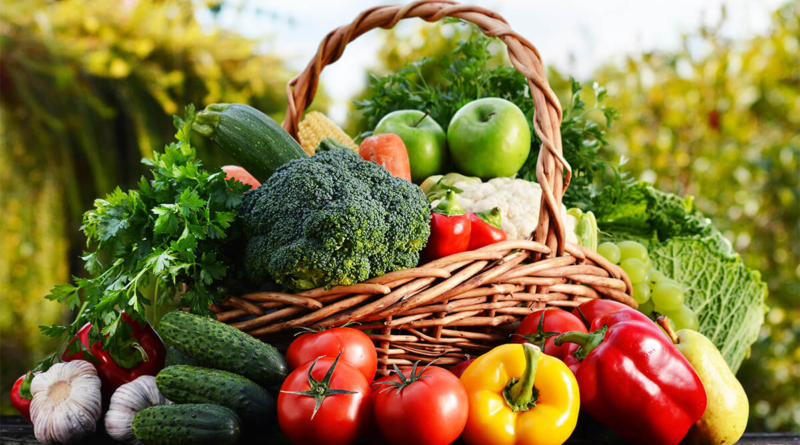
216, 345
193, 384
176, 357
186, 424
249, 136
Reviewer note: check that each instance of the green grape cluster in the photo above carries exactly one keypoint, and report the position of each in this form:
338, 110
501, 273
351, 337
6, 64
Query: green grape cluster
654, 291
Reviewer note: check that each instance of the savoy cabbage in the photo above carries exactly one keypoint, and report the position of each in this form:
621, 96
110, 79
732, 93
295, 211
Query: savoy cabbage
727, 297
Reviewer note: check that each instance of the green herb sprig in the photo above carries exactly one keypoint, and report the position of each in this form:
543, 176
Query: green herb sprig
174, 231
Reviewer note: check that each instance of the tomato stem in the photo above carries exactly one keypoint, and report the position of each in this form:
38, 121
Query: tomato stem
583, 318
405, 381
321, 389
540, 337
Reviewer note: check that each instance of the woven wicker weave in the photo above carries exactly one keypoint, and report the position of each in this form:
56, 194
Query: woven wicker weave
464, 304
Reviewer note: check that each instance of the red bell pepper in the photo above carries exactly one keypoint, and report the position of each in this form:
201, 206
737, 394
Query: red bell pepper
592, 309
485, 229
20, 401
450, 229
633, 380
143, 354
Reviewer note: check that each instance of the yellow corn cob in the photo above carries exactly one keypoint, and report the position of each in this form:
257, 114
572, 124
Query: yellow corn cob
315, 127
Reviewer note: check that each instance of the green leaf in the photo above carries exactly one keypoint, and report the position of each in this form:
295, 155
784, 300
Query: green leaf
91, 262
54, 331
190, 202
109, 227
166, 222
67, 294
160, 260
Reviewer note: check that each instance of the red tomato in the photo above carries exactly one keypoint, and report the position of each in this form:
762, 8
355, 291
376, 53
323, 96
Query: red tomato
543, 326
356, 348
595, 308
316, 408
430, 408
373, 435
241, 175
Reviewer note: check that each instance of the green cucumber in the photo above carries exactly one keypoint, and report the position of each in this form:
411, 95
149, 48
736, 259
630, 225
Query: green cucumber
249, 136
176, 357
216, 345
186, 424
193, 384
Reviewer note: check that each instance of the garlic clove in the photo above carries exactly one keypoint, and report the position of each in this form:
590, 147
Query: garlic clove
66, 403
128, 400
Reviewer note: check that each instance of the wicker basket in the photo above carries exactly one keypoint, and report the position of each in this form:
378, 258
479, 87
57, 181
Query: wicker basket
462, 305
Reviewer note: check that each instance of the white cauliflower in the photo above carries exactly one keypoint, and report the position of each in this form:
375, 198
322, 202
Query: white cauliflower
518, 200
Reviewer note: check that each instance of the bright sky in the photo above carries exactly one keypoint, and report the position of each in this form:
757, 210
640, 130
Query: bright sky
574, 35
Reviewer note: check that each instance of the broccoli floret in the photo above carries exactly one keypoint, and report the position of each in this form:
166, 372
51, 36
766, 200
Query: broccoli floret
333, 219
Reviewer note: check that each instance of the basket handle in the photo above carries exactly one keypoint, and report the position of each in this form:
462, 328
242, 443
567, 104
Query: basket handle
523, 55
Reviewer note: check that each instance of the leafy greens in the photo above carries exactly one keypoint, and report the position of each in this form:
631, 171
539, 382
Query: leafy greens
643, 211
174, 231
468, 75
726, 295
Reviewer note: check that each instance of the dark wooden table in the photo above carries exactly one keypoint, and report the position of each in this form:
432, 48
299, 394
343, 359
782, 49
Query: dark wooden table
15, 430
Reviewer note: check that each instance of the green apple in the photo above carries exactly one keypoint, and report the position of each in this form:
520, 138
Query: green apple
424, 139
488, 138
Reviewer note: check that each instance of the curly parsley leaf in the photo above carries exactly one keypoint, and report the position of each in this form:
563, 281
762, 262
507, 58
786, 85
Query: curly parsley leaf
173, 231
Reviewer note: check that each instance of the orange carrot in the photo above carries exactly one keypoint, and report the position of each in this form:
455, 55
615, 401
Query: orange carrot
388, 151
241, 175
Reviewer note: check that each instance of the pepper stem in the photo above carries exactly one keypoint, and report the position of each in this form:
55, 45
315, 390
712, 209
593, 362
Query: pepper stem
663, 321
25, 387
491, 217
449, 205
128, 353
587, 340
520, 394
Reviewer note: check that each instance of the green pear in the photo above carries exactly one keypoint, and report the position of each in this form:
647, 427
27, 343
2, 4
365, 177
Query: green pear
726, 413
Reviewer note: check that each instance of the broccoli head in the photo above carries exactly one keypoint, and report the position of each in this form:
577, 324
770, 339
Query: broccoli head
333, 219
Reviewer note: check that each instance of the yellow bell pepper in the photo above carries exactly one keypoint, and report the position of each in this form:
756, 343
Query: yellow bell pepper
519, 396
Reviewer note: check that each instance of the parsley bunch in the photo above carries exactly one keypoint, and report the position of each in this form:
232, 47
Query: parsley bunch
468, 74
174, 230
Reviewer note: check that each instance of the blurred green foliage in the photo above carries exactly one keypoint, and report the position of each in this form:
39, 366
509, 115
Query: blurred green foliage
720, 120
87, 88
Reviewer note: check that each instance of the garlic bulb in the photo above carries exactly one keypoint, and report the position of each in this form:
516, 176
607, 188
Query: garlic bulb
128, 400
66, 403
